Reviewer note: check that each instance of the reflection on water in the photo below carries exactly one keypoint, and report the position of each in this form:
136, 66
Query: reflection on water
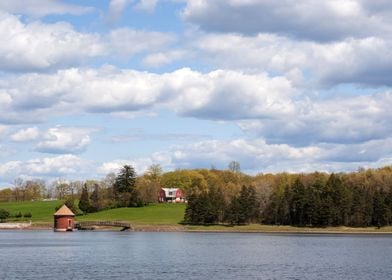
116, 255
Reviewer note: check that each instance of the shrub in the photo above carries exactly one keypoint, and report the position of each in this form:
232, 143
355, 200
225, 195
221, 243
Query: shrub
18, 215
27, 215
4, 214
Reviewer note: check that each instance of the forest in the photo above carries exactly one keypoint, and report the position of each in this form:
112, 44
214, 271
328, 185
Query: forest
357, 199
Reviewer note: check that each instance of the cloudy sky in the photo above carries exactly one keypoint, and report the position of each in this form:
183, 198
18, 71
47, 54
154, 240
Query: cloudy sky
298, 86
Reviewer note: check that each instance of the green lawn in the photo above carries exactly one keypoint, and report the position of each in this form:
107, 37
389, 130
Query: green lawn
155, 214
42, 211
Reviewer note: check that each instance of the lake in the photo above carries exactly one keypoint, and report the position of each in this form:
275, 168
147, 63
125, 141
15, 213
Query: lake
181, 255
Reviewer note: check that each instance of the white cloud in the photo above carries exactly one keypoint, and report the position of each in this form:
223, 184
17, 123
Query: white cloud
64, 140
364, 61
127, 42
159, 59
146, 5
258, 156
40, 46
48, 167
42, 7
140, 164
340, 119
258, 103
315, 20
116, 8
27, 134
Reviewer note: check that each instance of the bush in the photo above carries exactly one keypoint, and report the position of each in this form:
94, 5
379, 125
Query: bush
18, 215
4, 214
27, 215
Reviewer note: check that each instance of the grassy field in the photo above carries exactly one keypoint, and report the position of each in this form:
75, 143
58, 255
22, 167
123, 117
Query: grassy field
156, 214
42, 211
164, 216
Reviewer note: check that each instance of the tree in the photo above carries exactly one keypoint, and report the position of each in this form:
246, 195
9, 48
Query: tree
125, 180
154, 172
125, 188
234, 166
84, 202
4, 214
70, 203
96, 199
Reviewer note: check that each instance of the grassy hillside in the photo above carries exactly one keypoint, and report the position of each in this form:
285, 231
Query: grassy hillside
156, 214
42, 211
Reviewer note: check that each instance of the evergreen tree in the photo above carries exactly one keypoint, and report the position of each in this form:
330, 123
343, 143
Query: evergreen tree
125, 188
125, 180
84, 201
233, 212
381, 213
297, 204
70, 203
96, 199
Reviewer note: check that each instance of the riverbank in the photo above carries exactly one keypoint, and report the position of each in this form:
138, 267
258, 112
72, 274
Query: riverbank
253, 228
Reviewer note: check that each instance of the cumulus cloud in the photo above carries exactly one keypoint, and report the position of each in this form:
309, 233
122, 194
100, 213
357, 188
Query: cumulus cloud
350, 119
256, 155
140, 164
40, 46
42, 7
191, 93
257, 102
48, 167
159, 59
26, 134
65, 140
127, 42
365, 61
307, 19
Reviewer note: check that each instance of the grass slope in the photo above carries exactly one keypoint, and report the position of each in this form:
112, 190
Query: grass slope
42, 211
155, 214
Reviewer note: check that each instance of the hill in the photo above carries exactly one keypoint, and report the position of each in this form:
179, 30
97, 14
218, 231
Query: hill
155, 214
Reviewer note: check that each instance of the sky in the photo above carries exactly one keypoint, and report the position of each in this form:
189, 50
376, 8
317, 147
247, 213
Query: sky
296, 86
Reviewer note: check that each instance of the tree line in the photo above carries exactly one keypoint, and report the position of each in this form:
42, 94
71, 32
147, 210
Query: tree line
359, 198
362, 198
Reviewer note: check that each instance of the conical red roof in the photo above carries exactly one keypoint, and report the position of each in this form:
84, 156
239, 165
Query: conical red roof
64, 211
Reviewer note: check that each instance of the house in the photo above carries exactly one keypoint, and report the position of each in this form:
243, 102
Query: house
171, 195
64, 219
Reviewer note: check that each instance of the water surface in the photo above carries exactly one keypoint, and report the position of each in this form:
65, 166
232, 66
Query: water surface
136, 255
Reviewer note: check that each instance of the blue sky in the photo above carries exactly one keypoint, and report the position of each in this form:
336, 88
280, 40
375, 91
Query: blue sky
87, 86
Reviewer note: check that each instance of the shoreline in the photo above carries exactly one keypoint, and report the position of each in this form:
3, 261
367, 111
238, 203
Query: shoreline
265, 229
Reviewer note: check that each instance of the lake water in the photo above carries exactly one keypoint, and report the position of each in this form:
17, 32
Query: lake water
137, 255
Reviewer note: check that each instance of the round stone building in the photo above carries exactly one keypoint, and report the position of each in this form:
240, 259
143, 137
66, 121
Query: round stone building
64, 219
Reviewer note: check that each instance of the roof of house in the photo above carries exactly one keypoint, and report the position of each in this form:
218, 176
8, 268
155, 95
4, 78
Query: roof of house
64, 211
170, 192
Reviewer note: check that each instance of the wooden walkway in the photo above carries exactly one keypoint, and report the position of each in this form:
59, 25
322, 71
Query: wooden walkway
89, 224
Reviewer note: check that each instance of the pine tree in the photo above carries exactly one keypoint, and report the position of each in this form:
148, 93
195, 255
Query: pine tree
96, 200
70, 203
84, 202
125, 188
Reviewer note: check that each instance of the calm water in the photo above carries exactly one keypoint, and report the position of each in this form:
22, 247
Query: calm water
114, 255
